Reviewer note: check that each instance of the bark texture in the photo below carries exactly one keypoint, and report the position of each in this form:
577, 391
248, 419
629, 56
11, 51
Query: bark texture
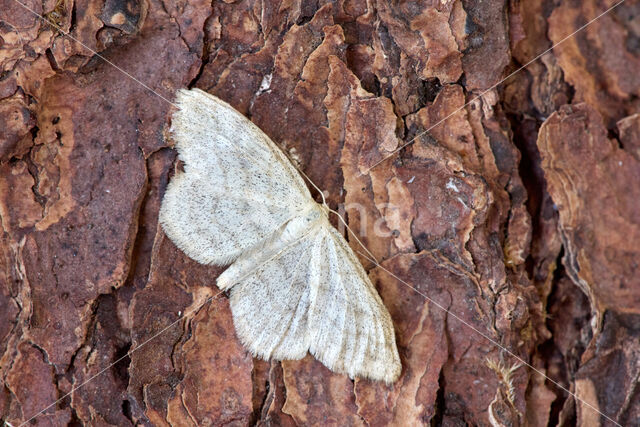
515, 217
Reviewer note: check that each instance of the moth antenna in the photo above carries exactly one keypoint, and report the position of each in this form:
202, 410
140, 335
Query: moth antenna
324, 201
373, 258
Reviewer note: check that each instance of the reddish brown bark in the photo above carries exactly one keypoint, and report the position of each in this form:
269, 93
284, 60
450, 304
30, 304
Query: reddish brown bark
512, 222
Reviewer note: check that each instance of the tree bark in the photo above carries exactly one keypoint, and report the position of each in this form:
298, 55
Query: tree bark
508, 210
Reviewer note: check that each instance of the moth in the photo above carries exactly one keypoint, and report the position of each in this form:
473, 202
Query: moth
295, 284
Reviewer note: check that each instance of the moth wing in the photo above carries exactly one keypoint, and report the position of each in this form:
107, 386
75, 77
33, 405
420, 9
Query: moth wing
313, 295
270, 298
351, 329
237, 187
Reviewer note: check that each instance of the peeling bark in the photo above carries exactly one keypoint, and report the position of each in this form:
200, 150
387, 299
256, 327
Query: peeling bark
509, 222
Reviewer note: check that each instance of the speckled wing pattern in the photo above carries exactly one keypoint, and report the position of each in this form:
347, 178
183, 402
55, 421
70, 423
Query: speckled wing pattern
296, 286
232, 171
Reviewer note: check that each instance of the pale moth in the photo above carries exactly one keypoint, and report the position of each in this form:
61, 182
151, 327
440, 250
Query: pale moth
295, 284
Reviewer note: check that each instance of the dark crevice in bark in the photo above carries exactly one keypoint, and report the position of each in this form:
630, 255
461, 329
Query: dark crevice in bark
127, 412
52, 61
551, 354
256, 416
439, 407
206, 46
74, 17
